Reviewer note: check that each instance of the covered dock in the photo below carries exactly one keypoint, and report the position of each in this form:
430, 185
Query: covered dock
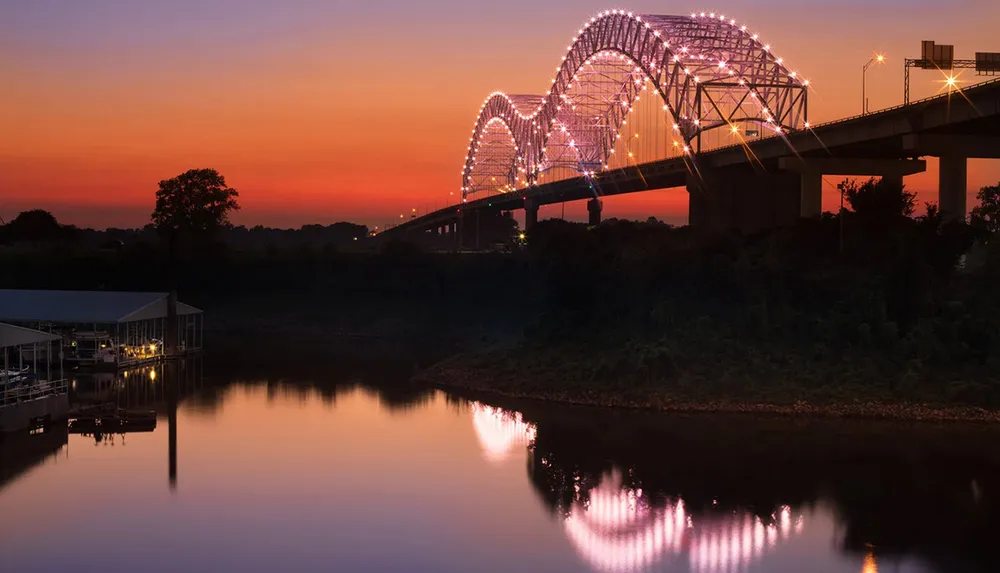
32, 386
105, 328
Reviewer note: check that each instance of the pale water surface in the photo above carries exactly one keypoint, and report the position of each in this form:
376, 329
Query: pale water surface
279, 477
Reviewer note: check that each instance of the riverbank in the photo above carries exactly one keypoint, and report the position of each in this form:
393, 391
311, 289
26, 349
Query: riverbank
899, 319
521, 375
890, 325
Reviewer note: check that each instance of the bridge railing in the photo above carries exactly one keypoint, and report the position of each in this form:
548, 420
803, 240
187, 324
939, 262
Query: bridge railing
902, 105
770, 136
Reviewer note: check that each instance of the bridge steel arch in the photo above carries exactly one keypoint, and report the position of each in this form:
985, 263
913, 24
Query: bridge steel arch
710, 72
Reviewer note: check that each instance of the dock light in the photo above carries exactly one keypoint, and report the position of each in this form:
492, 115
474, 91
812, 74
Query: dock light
152, 375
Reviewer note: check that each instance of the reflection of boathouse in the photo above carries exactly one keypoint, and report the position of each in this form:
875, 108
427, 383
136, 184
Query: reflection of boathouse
104, 328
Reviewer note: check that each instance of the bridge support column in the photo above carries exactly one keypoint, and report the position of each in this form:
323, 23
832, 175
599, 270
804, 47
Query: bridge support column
894, 179
811, 194
594, 208
530, 213
812, 170
952, 187
696, 203
743, 200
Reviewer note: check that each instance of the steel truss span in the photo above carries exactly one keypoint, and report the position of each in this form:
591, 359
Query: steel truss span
709, 71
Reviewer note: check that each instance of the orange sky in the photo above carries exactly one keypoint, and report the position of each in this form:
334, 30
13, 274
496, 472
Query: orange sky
339, 112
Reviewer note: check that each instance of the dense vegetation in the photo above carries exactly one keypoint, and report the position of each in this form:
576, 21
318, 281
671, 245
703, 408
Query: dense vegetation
899, 309
871, 305
291, 288
40, 231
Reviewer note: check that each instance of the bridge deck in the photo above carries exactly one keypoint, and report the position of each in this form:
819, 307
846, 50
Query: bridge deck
973, 111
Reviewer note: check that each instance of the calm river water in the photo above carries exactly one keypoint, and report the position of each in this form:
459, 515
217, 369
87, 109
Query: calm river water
275, 476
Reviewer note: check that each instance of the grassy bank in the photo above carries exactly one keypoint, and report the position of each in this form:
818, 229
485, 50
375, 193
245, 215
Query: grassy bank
517, 374
891, 326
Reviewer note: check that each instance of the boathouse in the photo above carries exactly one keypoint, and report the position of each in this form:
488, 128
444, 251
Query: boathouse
105, 328
32, 386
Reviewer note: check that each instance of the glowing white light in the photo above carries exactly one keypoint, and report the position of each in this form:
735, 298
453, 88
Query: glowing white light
618, 529
500, 431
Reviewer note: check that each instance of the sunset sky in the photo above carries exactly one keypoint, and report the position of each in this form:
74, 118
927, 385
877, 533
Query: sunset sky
326, 110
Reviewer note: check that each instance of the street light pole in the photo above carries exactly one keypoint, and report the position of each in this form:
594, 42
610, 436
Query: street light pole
840, 217
878, 58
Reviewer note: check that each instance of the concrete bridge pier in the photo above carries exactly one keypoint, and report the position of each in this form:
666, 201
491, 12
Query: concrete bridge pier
530, 213
894, 179
594, 208
812, 170
741, 199
953, 187
953, 151
811, 194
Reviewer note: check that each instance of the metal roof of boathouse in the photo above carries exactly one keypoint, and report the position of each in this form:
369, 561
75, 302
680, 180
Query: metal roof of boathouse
90, 306
11, 335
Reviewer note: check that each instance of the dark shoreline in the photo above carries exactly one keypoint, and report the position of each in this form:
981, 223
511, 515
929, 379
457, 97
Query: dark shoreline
437, 364
455, 381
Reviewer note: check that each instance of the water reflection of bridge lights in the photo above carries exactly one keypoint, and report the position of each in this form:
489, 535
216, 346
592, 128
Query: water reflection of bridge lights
619, 529
869, 565
500, 431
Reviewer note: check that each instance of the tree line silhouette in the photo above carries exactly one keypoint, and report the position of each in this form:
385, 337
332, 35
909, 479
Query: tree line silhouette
873, 302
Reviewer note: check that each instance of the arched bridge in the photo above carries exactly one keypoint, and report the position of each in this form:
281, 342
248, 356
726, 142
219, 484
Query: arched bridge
709, 73
719, 113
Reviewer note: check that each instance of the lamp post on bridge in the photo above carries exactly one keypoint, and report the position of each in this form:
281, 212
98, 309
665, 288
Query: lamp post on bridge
877, 58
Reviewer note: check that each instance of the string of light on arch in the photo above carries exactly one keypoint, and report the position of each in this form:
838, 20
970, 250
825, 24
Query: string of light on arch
587, 121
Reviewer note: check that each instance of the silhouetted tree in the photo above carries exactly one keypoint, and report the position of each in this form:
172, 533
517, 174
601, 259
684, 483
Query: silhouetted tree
194, 203
932, 217
878, 199
986, 216
35, 225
